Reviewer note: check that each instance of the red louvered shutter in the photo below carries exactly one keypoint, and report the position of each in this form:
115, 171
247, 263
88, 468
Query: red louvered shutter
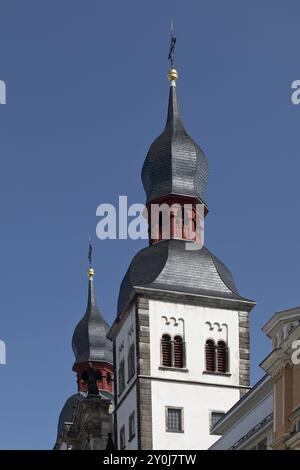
166, 349
222, 357
178, 352
210, 357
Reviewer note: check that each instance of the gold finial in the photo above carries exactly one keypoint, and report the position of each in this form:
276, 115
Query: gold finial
91, 273
172, 75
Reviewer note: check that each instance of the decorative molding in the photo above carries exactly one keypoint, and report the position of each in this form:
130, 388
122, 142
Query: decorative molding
172, 320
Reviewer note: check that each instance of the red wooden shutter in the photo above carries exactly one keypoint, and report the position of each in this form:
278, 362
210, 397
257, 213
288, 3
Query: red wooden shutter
222, 357
178, 351
166, 349
210, 357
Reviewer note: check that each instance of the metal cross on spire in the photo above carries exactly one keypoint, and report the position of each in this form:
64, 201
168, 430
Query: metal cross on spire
172, 46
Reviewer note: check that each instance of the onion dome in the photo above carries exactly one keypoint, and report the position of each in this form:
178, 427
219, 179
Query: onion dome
169, 267
90, 342
176, 168
175, 164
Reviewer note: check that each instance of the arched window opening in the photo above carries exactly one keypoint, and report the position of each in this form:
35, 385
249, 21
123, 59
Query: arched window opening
108, 378
210, 357
166, 349
194, 220
160, 226
182, 222
221, 357
178, 352
85, 376
98, 375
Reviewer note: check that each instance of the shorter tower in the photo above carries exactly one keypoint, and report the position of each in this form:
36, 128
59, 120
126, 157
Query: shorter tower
85, 422
91, 347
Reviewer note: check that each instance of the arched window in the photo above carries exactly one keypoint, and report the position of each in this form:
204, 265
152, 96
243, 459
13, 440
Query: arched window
178, 352
221, 357
210, 356
166, 351
98, 375
108, 378
85, 376
182, 222
160, 225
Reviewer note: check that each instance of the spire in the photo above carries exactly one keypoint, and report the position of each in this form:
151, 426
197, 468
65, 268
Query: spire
175, 165
90, 342
173, 117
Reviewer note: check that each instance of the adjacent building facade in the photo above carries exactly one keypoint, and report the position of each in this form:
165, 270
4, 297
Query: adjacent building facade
283, 365
268, 417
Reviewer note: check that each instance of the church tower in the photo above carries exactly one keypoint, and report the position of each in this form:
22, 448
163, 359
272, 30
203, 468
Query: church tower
181, 336
85, 422
91, 347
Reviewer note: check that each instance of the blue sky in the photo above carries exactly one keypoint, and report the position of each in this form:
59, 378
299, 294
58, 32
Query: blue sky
86, 95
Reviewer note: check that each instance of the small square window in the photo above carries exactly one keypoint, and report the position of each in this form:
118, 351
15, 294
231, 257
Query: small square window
131, 426
122, 438
174, 420
215, 417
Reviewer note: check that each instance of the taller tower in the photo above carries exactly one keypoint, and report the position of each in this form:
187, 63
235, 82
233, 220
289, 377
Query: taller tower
181, 336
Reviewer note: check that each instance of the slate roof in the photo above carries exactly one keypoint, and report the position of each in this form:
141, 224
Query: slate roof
168, 266
174, 163
90, 342
68, 410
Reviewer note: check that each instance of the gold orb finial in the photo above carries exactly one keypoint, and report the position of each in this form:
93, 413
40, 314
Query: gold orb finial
91, 273
172, 74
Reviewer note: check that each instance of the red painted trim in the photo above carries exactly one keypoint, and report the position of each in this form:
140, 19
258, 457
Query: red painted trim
106, 370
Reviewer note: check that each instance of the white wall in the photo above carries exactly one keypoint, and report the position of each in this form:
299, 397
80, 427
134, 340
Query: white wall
124, 411
207, 392
125, 337
196, 324
197, 401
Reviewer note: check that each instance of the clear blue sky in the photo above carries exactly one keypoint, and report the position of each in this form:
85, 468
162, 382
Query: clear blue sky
86, 95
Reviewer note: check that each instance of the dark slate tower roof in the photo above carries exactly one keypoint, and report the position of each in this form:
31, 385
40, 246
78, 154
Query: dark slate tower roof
174, 164
169, 266
90, 342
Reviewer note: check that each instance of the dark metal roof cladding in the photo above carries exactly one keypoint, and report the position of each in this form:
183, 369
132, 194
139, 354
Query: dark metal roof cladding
174, 164
169, 266
90, 342
68, 410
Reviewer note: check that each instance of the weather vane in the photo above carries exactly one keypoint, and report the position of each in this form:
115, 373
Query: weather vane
90, 252
172, 46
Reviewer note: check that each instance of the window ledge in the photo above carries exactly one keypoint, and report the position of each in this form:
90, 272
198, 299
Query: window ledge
176, 369
222, 374
177, 432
